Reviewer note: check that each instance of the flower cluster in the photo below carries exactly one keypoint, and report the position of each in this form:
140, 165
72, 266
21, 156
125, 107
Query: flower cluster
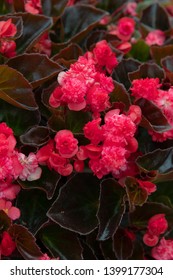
58, 153
7, 32
85, 84
150, 89
13, 165
157, 225
164, 250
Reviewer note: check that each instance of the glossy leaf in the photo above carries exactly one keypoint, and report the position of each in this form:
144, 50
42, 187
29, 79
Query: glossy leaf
136, 194
19, 5
60, 242
120, 94
36, 68
153, 117
167, 65
53, 8
139, 218
33, 205
107, 249
75, 121
36, 136
140, 51
47, 182
38, 23
120, 73
159, 160
79, 20
156, 17
15, 89
111, 208
122, 245
25, 242
5, 221
20, 120
76, 206
159, 52
147, 70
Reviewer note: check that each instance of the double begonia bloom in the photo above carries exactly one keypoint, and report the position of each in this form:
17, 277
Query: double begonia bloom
33, 6
157, 224
7, 245
164, 251
104, 56
85, 84
30, 169
124, 29
8, 190
148, 186
12, 211
66, 144
150, 239
7, 31
155, 37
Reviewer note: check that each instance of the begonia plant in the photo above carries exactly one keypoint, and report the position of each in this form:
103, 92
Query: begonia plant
86, 130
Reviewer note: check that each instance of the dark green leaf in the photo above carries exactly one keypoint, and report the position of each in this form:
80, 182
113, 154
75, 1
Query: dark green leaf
167, 65
18, 119
153, 117
79, 20
60, 242
36, 136
111, 208
120, 94
77, 203
5, 221
75, 121
36, 68
159, 52
139, 218
164, 193
47, 182
140, 51
147, 70
15, 89
38, 23
122, 245
156, 17
33, 205
159, 160
53, 8
107, 249
25, 242
120, 73
136, 194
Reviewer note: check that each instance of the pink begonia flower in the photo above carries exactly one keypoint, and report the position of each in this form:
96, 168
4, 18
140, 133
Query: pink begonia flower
31, 171
66, 144
7, 140
150, 239
33, 6
156, 37
130, 9
7, 31
146, 88
124, 47
124, 29
65, 170
11, 211
135, 114
85, 84
7, 245
148, 186
93, 131
8, 190
164, 251
45, 152
43, 46
104, 56
78, 165
157, 224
